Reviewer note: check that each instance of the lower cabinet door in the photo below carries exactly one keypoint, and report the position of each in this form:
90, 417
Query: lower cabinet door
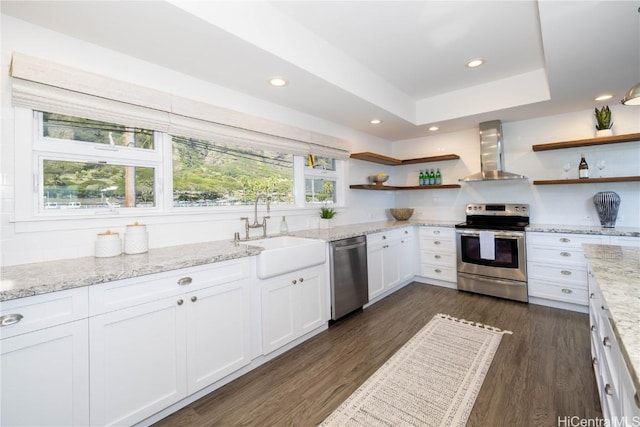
310, 300
45, 377
278, 313
138, 361
218, 333
375, 270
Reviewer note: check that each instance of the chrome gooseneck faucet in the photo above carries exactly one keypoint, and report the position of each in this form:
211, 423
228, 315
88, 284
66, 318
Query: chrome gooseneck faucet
255, 224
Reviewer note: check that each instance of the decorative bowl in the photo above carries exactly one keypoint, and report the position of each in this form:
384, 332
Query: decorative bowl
401, 214
378, 179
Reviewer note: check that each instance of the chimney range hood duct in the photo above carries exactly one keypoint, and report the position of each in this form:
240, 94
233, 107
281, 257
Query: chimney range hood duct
491, 155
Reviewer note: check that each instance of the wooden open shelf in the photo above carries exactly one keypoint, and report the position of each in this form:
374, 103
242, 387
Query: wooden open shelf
390, 161
393, 188
587, 180
616, 139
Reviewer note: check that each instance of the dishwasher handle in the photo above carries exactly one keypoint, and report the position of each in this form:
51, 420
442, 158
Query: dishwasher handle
348, 247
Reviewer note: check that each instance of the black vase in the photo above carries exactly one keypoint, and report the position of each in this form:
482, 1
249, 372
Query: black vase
607, 204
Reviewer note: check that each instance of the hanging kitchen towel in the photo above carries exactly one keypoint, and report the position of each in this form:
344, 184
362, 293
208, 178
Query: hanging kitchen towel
487, 245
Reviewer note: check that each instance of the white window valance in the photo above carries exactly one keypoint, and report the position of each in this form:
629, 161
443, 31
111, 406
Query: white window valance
47, 86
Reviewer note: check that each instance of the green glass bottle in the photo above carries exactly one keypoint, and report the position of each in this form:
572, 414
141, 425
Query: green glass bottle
438, 177
432, 177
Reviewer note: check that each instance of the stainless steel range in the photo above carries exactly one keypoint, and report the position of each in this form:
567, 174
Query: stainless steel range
491, 250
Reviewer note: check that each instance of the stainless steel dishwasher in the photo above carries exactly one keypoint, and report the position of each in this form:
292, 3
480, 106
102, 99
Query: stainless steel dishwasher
349, 281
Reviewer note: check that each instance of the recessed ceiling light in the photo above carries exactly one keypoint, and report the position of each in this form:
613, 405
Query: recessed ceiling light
475, 63
375, 121
278, 81
604, 97
434, 128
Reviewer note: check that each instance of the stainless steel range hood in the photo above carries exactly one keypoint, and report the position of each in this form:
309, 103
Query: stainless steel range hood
491, 155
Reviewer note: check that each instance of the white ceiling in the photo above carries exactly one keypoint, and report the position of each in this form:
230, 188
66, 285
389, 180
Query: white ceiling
400, 61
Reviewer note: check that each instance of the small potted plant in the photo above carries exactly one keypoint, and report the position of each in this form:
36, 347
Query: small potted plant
603, 121
326, 216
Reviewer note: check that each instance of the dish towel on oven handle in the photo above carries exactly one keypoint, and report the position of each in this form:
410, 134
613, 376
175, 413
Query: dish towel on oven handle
487, 245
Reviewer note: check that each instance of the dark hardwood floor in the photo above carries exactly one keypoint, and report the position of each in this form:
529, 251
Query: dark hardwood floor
541, 372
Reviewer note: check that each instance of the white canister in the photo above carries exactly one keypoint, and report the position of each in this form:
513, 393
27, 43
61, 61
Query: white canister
136, 240
108, 244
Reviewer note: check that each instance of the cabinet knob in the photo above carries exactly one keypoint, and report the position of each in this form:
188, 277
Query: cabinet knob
566, 291
185, 281
592, 295
437, 242
437, 256
607, 389
294, 281
565, 253
385, 246
10, 319
406, 232
594, 360
606, 342
565, 240
384, 237
437, 270
565, 272
301, 280
180, 302
194, 298
593, 328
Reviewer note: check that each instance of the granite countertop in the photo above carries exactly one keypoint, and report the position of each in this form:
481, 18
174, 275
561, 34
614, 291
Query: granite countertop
617, 270
585, 229
40, 278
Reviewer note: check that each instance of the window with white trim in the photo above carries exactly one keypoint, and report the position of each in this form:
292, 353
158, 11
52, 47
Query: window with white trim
85, 164
321, 178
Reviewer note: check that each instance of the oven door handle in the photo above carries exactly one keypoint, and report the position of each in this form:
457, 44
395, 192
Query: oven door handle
498, 233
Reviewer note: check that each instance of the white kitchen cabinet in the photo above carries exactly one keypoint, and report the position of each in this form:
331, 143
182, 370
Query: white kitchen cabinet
293, 304
147, 356
390, 259
618, 395
557, 269
438, 253
624, 241
44, 360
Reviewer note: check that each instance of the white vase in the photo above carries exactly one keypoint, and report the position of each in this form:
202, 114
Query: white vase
604, 132
324, 223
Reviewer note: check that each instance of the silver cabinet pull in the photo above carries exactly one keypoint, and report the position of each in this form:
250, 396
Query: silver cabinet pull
385, 246
301, 279
593, 328
437, 256
185, 281
594, 360
565, 240
10, 319
592, 295
565, 272
406, 232
194, 298
180, 302
437, 270
437, 242
566, 291
565, 253
606, 342
607, 389
436, 231
294, 281
384, 237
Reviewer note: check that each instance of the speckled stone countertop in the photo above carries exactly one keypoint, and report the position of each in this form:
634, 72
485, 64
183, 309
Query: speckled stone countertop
40, 278
585, 229
617, 270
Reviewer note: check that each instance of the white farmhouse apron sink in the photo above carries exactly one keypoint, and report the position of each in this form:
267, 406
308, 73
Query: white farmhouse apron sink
285, 254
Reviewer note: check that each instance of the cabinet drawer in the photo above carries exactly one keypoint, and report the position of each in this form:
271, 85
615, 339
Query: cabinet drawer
567, 255
438, 244
573, 275
440, 232
42, 311
438, 272
126, 293
554, 292
438, 258
564, 240
377, 238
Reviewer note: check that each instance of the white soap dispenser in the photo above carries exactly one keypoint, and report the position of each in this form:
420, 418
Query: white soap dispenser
284, 228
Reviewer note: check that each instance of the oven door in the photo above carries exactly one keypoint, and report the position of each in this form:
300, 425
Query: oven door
509, 263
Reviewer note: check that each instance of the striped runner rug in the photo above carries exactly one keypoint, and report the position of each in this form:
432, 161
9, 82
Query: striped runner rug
433, 380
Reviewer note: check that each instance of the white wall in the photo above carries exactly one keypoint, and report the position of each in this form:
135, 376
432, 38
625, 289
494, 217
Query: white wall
26, 242
550, 204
